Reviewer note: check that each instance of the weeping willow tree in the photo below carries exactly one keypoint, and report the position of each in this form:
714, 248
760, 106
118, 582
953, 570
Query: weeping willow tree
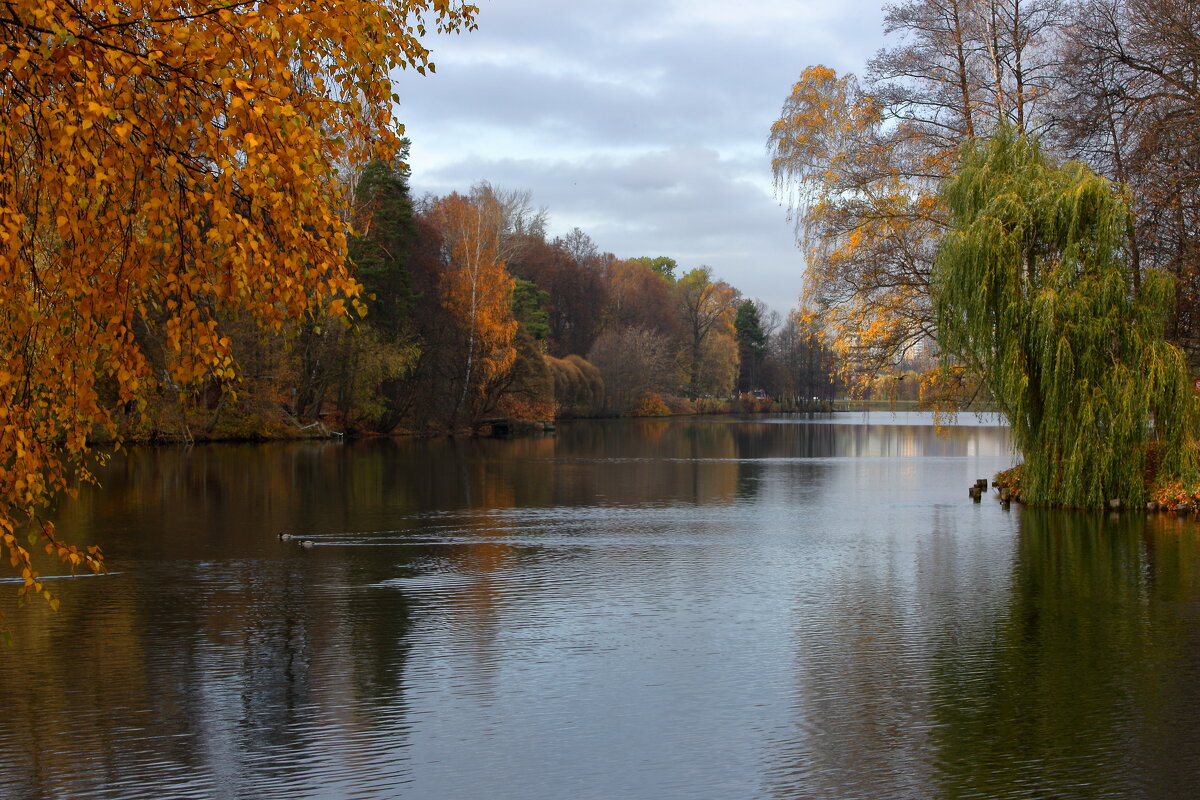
1033, 292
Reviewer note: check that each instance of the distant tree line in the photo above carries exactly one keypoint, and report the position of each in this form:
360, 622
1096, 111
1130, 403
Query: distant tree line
472, 312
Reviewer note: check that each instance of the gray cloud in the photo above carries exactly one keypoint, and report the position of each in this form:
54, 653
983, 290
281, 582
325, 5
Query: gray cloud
644, 124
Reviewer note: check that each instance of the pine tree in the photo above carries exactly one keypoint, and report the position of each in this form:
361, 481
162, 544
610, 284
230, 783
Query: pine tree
752, 345
384, 231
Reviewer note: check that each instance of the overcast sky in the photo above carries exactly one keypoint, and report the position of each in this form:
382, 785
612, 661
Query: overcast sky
642, 122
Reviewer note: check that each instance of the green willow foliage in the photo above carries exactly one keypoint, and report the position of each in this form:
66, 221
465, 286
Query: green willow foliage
1032, 291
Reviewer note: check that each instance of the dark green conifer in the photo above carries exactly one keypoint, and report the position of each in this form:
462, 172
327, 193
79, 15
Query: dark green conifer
384, 230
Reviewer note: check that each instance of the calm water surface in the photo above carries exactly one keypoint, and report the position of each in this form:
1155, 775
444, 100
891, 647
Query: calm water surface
692, 608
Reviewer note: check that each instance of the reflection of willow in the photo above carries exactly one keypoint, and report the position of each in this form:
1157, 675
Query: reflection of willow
1090, 684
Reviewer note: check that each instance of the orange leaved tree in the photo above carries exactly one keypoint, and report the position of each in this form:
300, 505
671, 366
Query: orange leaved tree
476, 292
161, 162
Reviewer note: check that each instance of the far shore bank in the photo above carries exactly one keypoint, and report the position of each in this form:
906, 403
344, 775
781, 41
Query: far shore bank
286, 428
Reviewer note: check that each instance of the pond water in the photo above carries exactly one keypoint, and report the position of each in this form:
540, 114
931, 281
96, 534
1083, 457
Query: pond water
686, 608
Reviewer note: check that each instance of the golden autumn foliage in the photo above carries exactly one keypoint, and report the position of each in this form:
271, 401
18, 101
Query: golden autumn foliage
476, 292
867, 216
161, 162
708, 354
651, 405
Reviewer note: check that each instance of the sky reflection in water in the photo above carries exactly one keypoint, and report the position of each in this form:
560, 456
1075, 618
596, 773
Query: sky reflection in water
686, 608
